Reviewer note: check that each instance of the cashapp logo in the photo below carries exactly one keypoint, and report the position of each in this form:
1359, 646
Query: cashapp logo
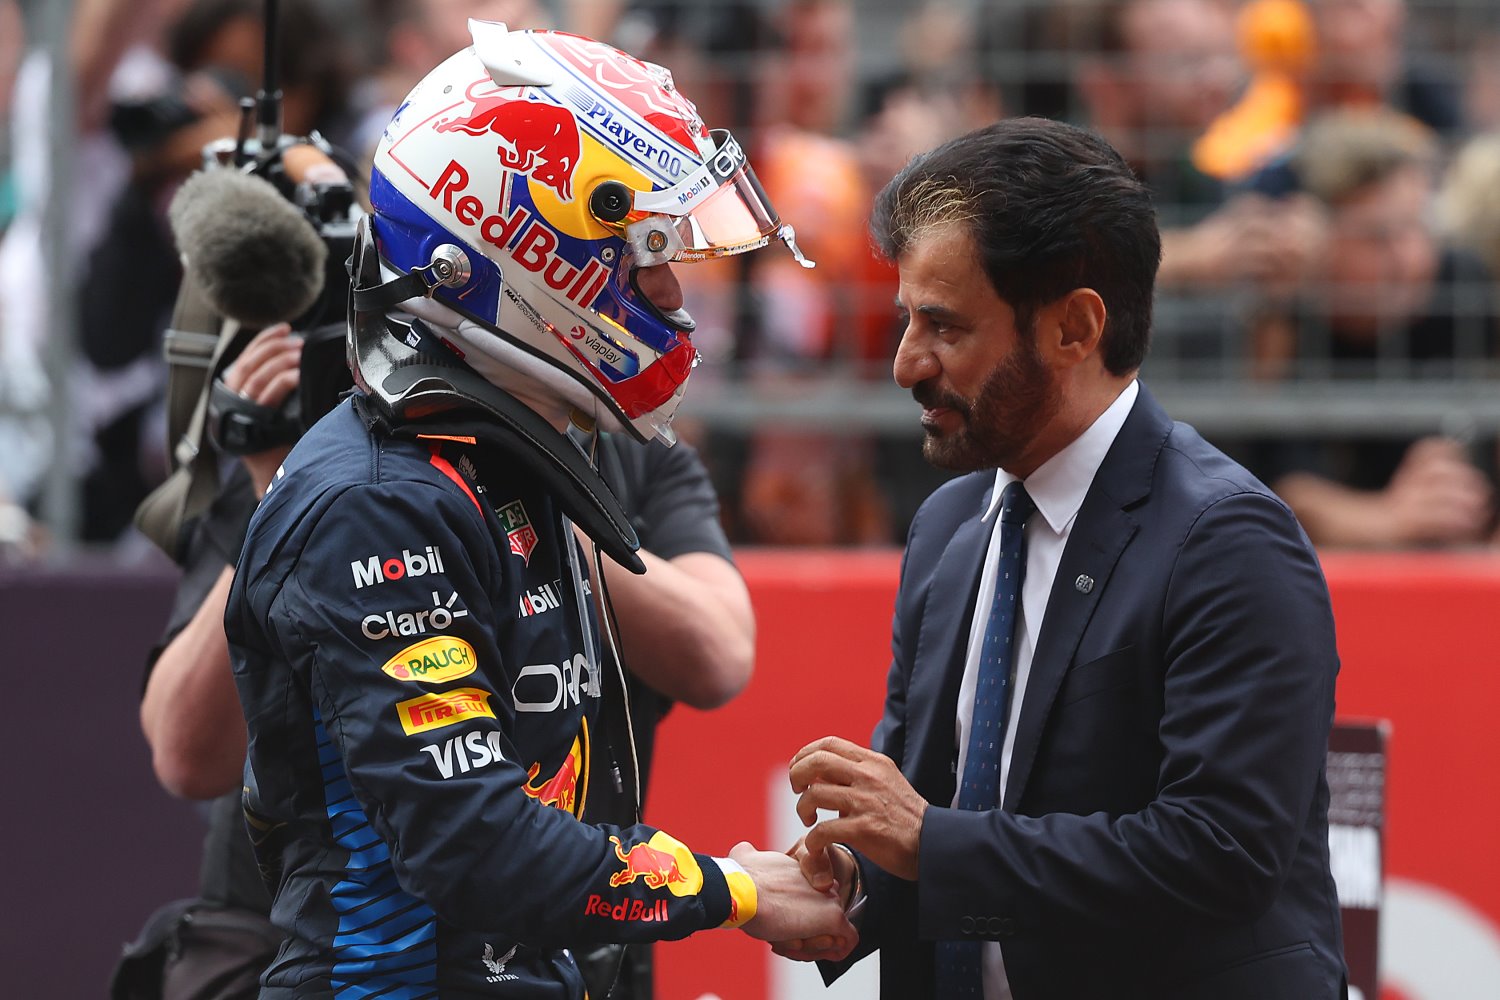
377, 570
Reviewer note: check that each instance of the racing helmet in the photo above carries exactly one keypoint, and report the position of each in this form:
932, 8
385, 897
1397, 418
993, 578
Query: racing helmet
516, 193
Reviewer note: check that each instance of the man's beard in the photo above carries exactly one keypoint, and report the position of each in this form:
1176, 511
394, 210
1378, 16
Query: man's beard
1015, 402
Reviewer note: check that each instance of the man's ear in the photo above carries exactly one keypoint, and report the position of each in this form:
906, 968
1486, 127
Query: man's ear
1080, 317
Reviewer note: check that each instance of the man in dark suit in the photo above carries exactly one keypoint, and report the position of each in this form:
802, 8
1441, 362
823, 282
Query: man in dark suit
1100, 771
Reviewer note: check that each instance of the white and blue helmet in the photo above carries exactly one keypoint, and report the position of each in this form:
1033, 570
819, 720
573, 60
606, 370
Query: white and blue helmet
525, 181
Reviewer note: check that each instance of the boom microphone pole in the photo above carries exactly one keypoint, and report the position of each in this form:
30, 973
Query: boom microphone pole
269, 98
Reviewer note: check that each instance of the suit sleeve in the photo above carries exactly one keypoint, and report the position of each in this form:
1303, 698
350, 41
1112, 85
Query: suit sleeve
429, 760
1247, 702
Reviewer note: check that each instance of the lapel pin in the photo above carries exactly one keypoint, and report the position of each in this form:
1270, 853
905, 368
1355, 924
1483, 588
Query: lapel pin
1084, 583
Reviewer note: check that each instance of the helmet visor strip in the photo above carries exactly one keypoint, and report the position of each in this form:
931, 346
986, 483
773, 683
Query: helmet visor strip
717, 211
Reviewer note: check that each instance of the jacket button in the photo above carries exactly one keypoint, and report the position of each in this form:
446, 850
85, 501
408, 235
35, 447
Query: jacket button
966, 924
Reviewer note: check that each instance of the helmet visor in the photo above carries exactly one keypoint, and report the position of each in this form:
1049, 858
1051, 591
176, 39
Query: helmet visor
733, 218
718, 210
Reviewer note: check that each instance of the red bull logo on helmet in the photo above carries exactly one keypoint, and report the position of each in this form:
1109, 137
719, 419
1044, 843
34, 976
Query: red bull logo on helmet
530, 243
537, 139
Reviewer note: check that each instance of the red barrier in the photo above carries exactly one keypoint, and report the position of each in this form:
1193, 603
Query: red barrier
1418, 648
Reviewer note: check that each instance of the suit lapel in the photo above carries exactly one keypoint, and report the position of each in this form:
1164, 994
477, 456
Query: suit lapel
1100, 534
941, 647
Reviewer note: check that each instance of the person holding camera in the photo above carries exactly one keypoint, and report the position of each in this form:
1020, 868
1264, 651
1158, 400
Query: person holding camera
190, 713
218, 944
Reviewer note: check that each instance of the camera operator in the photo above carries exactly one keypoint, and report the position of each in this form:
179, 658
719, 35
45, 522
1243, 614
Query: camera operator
199, 753
190, 715
214, 48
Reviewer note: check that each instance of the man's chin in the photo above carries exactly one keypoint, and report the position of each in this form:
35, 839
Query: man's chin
950, 452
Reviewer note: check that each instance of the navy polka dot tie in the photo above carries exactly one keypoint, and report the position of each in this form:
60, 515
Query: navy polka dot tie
958, 962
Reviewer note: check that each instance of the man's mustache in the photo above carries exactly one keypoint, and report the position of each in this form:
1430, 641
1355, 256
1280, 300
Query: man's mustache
930, 397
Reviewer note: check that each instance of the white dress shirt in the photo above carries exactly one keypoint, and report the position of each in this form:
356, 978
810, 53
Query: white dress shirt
1057, 488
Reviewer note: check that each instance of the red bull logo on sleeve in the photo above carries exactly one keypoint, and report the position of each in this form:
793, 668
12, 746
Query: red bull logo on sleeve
658, 868
661, 862
537, 139
626, 909
561, 790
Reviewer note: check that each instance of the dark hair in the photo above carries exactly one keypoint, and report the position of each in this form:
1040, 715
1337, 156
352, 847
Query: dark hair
199, 23
312, 50
1051, 208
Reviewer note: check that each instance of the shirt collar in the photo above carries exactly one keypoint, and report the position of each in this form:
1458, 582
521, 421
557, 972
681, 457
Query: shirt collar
1058, 486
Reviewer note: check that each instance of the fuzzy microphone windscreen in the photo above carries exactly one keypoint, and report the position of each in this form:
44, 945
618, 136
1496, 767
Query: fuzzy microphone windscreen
257, 257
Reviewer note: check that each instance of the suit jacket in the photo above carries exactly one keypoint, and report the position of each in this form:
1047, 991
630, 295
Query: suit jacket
1164, 830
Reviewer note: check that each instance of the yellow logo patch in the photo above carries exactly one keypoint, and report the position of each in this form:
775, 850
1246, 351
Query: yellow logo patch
434, 711
432, 661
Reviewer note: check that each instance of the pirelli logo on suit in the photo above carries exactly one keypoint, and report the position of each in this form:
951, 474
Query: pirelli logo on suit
446, 708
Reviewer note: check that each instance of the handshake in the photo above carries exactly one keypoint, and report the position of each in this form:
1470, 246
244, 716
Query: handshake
804, 895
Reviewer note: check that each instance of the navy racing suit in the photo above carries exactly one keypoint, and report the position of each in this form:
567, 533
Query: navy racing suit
414, 645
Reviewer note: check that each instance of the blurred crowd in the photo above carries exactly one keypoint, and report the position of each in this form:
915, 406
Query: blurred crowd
1327, 174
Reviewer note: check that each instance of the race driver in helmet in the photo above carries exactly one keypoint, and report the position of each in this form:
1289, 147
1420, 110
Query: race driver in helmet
412, 624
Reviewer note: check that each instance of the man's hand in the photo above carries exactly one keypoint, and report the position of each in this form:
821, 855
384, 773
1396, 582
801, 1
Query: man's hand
1436, 496
266, 372
789, 909
839, 866
880, 814
831, 870
1273, 243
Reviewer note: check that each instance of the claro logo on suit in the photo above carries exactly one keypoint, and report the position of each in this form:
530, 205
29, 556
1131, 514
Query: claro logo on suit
438, 618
